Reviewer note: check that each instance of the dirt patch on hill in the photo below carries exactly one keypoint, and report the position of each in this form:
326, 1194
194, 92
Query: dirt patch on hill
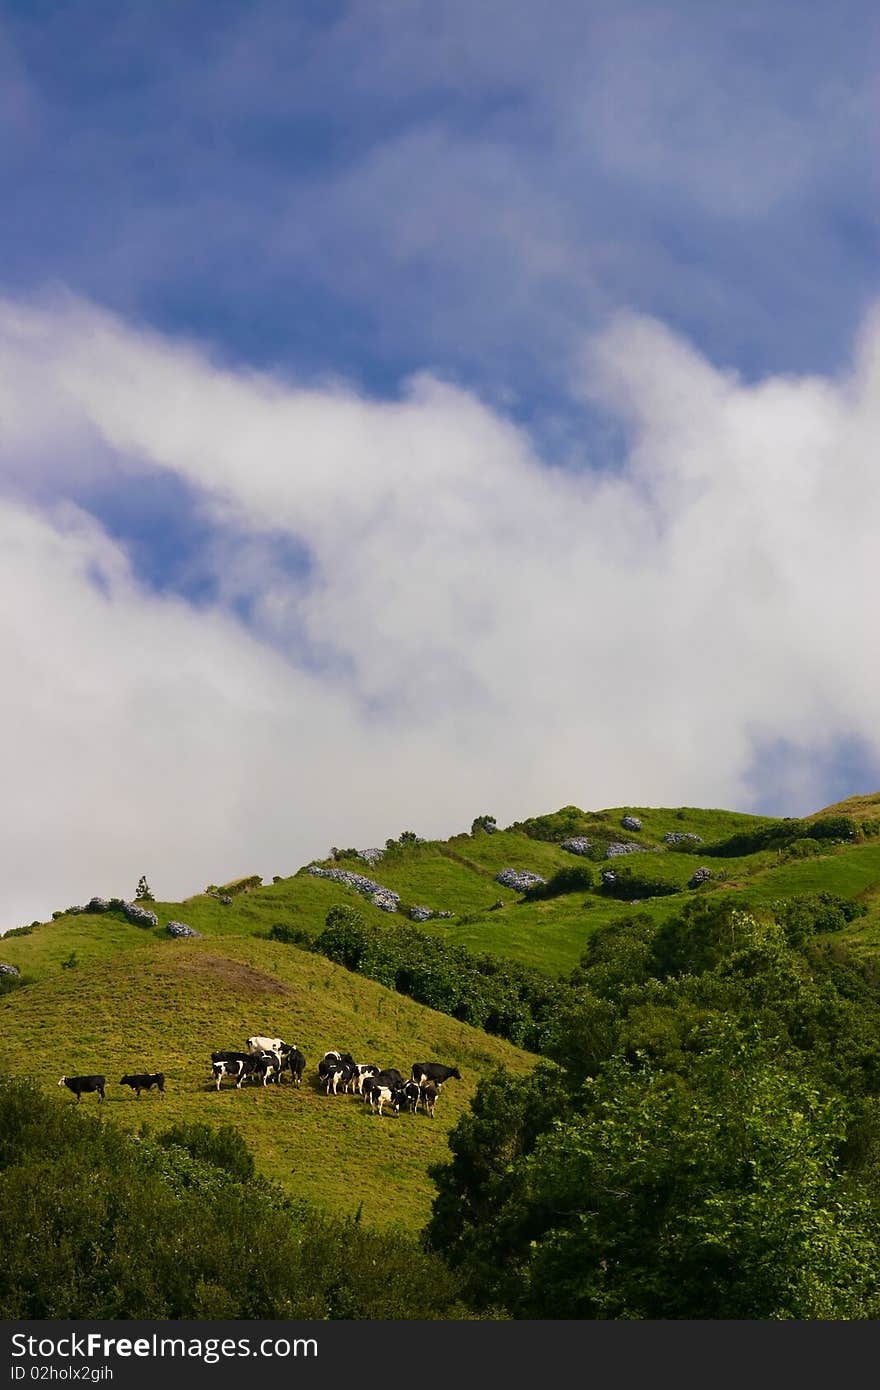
243, 979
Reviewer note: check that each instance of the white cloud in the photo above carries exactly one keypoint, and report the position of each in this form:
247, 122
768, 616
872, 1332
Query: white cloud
498, 635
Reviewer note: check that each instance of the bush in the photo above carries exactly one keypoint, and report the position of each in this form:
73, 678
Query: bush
578, 879
630, 884
292, 936
345, 937
99, 1224
223, 1148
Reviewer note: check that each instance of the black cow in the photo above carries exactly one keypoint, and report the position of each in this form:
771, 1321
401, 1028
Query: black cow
144, 1081
294, 1062
79, 1084
433, 1071
430, 1092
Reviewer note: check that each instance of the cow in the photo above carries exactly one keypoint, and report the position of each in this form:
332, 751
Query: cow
379, 1095
79, 1084
144, 1081
330, 1063
430, 1091
341, 1073
390, 1077
412, 1094
293, 1061
257, 1045
433, 1071
265, 1064
238, 1064
365, 1071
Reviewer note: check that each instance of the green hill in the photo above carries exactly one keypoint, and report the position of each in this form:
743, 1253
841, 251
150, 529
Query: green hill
102, 994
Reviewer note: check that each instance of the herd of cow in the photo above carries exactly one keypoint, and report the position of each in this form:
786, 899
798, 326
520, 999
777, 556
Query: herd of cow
266, 1059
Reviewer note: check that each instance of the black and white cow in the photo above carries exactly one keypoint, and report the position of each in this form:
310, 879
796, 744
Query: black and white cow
390, 1077
433, 1071
365, 1071
145, 1081
412, 1094
81, 1084
335, 1069
340, 1075
379, 1094
267, 1065
237, 1064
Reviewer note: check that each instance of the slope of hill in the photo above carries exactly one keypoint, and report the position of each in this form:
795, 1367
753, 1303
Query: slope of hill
102, 994
166, 1005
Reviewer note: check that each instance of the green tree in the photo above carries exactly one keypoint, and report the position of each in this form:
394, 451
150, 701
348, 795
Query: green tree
143, 893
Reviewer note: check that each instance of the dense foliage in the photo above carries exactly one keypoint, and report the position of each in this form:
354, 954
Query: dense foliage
705, 1143
499, 996
97, 1223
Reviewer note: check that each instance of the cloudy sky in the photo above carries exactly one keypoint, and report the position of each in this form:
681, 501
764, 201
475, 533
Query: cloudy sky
411, 411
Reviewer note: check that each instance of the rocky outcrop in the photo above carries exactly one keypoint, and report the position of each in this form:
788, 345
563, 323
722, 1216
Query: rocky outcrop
420, 914
518, 879
6, 969
630, 847
701, 875
631, 823
578, 844
181, 929
140, 916
385, 898
681, 837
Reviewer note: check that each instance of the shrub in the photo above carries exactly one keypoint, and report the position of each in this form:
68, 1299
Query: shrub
292, 936
578, 879
345, 937
224, 1148
487, 824
628, 884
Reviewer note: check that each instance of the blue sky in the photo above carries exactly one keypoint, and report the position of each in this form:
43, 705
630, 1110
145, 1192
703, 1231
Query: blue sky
494, 385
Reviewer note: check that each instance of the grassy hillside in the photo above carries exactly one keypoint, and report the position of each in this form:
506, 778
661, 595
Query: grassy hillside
104, 995
166, 1005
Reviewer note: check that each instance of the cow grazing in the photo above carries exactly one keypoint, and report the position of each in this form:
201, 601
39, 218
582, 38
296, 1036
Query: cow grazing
433, 1071
429, 1093
145, 1081
80, 1084
379, 1095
